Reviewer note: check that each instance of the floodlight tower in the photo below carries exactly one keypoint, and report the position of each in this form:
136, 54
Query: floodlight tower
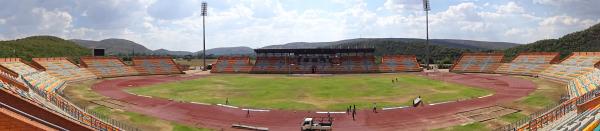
204, 4
427, 8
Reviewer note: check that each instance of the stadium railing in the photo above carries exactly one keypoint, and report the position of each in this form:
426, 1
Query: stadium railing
549, 114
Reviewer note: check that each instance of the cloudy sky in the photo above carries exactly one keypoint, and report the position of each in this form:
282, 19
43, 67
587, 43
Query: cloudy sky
177, 24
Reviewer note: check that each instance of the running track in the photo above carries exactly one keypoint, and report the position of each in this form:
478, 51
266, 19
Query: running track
506, 89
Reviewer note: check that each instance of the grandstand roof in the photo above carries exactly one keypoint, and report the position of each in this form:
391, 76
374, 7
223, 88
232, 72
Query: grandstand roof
316, 50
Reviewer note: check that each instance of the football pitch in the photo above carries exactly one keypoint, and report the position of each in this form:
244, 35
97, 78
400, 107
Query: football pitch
332, 93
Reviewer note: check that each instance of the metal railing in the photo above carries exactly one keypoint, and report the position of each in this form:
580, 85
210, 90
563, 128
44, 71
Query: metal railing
82, 115
550, 113
31, 117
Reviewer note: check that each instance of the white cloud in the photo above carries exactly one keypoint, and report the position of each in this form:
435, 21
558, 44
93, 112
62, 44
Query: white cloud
401, 6
258, 23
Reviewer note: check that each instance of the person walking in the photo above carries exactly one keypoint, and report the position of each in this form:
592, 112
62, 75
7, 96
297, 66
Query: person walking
374, 107
348, 110
354, 112
247, 113
227, 101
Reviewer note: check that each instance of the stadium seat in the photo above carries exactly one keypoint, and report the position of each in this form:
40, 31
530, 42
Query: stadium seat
107, 67
64, 69
399, 63
531, 64
477, 63
234, 64
155, 66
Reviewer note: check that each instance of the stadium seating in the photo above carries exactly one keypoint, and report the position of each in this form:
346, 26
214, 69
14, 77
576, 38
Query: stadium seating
477, 63
282, 64
529, 63
155, 65
52, 108
64, 69
232, 64
271, 64
576, 122
578, 64
38, 79
107, 67
399, 63
584, 83
357, 64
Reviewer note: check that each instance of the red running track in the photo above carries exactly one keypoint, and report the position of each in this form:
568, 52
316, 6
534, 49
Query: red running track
506, 89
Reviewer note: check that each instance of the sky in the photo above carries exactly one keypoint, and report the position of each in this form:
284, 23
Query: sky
177, 24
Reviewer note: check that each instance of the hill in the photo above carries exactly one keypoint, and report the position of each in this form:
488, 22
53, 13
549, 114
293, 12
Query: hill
41, 46
242, 50
582, 41
450, 43
123, 46
114, 46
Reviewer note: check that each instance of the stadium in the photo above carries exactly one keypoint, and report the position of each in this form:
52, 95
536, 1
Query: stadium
286, 85
363, 84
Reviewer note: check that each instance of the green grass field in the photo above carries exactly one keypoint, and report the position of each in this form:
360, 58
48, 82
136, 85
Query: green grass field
81, 94
310, 93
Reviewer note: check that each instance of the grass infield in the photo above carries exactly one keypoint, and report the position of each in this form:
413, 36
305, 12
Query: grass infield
311, 93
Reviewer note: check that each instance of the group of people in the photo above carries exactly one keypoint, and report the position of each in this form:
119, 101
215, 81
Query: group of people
353, 109
394, 81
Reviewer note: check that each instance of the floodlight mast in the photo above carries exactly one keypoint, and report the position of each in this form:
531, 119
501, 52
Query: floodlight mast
427, 8
204, 14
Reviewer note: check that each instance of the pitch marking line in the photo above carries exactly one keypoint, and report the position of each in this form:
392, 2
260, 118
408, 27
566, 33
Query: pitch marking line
326, 112
258, 110
391, 108
440, 103
200, 103
228, 106
485, 96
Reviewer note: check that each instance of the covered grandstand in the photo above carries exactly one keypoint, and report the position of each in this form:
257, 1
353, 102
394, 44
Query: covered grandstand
315, 61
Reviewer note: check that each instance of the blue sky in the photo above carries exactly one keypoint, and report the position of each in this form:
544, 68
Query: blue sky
176, 24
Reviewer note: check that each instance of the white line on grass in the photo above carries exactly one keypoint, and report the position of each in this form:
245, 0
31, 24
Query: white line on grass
227, 106
485, 96
258, 110
325, 112
200, 103
391, 108
439, 103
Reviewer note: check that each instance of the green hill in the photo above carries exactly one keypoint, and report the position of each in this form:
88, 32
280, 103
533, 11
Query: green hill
41, 46
582, 41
